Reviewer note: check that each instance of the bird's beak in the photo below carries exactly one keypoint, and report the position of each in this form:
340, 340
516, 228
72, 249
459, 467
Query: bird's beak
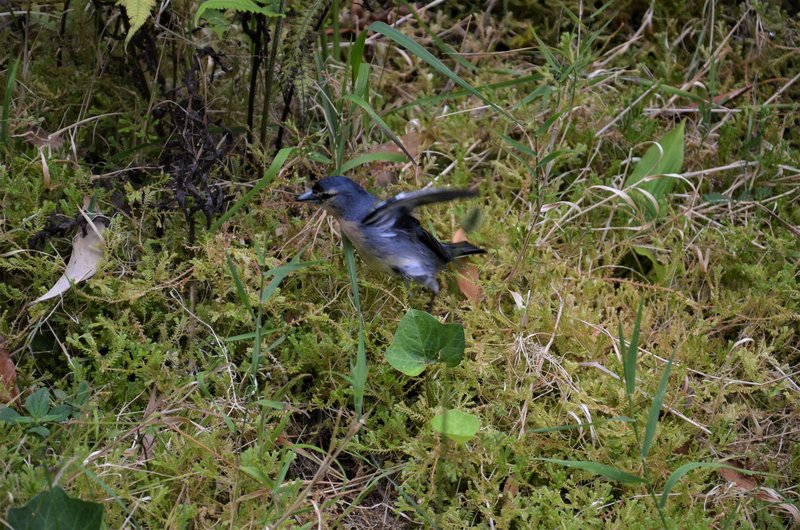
308, 196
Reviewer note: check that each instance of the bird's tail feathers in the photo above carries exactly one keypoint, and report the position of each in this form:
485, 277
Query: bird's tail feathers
462, 248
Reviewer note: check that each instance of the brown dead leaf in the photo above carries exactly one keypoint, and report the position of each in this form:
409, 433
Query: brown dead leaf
738, 479
467, 275
414, 141
8, 375
768, 495
148, 440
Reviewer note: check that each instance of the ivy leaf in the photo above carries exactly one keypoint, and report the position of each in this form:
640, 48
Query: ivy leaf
421, 340
137, 11
55, 509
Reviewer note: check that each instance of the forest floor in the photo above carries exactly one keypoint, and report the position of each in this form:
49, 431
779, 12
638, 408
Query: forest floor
216, 367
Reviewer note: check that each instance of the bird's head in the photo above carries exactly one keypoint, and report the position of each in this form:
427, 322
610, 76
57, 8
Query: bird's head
340, 196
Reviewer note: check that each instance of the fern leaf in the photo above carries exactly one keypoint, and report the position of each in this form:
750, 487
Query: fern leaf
247, 6
137, 11
297, 66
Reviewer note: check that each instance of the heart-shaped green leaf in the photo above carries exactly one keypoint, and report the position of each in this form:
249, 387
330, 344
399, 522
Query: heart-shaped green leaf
55, 509
421, 340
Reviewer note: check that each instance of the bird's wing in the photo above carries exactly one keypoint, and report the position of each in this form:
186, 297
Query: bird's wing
404, 203
429, 240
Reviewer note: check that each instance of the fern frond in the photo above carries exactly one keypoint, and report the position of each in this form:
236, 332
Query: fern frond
244, 6
297, 64
137, 11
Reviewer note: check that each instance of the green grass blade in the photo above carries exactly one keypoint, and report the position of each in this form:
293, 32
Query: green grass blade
691, 466
609, 472
371, 157
272, 171
524, 149
413, 47
239, 285
655, 409
379, 121
455, 94
357, 56
361, 88
629, 356
111, 493
559, 428
280, 273
10, 80
442, 45
359, 367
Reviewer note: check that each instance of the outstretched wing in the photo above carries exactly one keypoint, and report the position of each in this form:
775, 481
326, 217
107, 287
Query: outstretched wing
404, 203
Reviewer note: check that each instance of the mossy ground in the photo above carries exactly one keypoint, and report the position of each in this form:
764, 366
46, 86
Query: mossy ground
180, 430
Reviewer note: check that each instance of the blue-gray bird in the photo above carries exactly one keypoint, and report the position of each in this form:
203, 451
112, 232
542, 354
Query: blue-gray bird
385, 234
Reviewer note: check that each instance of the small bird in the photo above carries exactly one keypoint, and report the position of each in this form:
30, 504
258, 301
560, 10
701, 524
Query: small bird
385, 234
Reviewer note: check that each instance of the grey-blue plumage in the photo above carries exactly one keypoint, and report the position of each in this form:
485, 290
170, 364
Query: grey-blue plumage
385, 234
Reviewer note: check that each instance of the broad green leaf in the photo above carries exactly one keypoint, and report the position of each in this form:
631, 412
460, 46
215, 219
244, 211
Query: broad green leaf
655, 409
9, 415
664, 157
38, 403
137, 11
421, 340
371, 157
271, 404
41, 430
55, 510
456, 425
609, 472
256, 473
412, 46
658, 267
58, 413
242, 6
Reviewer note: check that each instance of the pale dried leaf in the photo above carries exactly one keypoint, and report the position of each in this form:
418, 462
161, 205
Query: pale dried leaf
519, 302
86, 253
45, 171
771, 496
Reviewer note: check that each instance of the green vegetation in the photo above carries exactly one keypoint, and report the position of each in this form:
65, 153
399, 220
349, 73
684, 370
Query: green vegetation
628, 357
